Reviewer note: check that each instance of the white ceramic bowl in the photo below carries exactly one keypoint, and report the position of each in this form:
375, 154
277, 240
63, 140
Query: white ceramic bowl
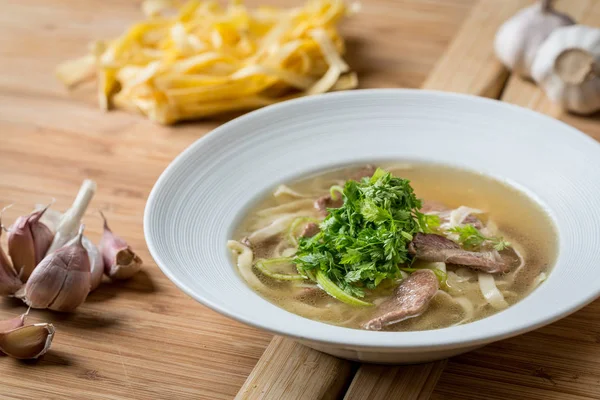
204, 193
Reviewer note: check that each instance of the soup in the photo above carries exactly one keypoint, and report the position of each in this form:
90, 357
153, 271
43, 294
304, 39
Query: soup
403, 247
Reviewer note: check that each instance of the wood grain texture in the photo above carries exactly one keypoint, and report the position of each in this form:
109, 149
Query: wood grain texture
144, 339
406, 382
475, 70
372, 381
469, 65
560, 361
289, 370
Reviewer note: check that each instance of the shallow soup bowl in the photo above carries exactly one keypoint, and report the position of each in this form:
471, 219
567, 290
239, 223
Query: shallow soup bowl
201, 197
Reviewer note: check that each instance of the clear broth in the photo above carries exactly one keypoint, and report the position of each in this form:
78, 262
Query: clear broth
519, 219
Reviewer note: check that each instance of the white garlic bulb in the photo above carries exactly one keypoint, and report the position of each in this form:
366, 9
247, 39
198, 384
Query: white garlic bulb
567, 67
519, 38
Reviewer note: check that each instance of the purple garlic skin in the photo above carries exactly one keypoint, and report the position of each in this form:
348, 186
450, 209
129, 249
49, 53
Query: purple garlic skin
28, 241
120, 261
13, 323
52, 218
62, 280
21, 248
42, 239
96, 263
9, 280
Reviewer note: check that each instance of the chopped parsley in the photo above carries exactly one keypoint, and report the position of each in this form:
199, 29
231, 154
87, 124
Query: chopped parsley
366, 240
471, 238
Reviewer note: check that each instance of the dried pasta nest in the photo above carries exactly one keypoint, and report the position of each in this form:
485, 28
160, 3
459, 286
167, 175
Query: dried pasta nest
197, 59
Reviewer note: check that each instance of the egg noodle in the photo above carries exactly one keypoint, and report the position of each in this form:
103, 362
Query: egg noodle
197, 59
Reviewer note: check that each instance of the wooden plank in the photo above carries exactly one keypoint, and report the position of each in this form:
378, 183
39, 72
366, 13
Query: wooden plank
560, 361
557, 362
145, 339
296, 372
407, 382
488, 77
469, 65
271, 374
485, 77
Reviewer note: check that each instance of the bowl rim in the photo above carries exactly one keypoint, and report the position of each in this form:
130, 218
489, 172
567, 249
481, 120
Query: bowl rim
347, 339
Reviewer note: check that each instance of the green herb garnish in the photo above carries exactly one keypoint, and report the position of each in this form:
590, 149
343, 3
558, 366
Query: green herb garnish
263, 266
471, 238
365, 241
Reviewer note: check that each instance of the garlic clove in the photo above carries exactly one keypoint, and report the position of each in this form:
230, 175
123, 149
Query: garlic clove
46, 282
62, 280
9, 281
28, 240
96, 263
519, 38
120, 261
68, 300
21, 247
127, 264
27, 342
52, 218
13, 323
42, 235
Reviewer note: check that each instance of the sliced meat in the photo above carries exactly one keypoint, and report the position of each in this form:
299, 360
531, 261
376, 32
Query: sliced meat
485, 261
436, 248
410, 299
310, 230
325, 202
428, 246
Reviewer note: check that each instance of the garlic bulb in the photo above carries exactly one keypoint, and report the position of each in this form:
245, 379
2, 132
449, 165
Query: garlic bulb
518, 39
567, 67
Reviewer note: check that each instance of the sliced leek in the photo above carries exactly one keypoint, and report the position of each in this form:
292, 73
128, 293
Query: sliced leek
334, 291
262, 266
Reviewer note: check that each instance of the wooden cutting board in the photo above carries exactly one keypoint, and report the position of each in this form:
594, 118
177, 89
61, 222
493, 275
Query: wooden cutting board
144, 339
468, 66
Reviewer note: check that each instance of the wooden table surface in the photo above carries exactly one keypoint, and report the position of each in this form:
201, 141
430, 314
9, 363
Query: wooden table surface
144, 339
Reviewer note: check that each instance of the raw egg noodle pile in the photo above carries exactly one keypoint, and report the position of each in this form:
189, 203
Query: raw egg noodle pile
197, 59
